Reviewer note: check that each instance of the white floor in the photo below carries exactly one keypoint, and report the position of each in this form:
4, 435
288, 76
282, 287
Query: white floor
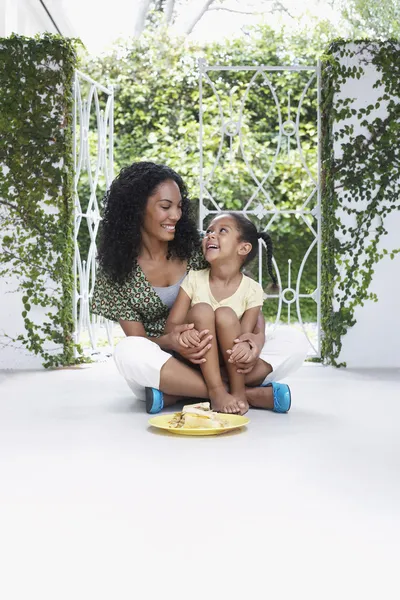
95, 505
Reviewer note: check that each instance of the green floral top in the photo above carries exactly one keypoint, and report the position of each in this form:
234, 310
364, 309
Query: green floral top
135, 299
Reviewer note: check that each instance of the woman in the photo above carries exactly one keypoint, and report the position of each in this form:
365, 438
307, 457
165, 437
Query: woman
148, 243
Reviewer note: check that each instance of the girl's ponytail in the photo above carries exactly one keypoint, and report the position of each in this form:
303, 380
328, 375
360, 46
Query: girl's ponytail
268, 242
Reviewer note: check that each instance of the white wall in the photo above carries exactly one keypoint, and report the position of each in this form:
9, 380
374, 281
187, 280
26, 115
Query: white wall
374, 341
25, 17
28, 17
14, 356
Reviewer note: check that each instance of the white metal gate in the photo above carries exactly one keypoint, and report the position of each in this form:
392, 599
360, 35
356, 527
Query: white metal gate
284, 146
93, 174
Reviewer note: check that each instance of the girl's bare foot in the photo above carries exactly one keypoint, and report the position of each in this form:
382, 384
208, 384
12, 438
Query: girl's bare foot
222, 401
260, 397
242, 402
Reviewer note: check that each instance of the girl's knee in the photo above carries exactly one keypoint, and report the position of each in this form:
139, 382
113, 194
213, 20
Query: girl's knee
226, 317
202, 309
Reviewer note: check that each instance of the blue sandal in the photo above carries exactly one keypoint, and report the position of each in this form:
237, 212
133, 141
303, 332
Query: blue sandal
282, 396
154, 400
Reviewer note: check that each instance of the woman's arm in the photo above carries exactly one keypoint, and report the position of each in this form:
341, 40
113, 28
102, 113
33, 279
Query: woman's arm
170, 339
135, 328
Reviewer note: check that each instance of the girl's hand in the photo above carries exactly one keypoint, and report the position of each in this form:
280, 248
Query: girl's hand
194, 355
189, 338
240, 353
248, 364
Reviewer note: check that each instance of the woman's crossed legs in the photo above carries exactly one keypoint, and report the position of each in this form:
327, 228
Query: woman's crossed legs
143, 363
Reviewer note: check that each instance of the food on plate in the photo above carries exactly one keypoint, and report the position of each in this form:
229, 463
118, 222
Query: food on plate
197, 416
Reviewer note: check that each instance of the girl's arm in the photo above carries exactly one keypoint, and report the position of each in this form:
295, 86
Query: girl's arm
249, 320
259, 329
253, 332
178, 311
244, 347
256, 336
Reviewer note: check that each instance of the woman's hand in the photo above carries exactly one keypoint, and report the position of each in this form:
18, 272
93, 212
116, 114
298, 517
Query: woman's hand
245, 358
195, 355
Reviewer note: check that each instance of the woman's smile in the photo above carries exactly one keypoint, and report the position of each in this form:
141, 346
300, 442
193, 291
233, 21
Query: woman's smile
168, 227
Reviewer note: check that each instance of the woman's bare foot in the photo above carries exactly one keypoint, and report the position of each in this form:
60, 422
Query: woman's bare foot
169, 399
222, 401
260, 397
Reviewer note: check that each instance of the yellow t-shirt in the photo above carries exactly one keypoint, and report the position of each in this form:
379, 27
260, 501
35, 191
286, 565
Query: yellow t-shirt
248, 295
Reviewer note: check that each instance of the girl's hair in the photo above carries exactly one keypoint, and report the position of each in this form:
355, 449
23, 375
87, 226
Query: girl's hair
248, 233
124, 209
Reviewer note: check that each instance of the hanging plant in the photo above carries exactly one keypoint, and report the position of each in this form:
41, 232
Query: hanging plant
36, 179
363, 182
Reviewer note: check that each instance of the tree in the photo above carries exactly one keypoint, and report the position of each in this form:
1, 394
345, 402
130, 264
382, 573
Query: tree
373, 19
187, 13
196, 15
167, 8
360, 18
142, 13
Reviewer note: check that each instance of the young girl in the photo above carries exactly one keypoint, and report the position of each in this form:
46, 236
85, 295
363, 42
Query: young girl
227, 303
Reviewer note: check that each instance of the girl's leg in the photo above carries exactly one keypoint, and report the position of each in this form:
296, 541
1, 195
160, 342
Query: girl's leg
176, 382
203, 317
228, 328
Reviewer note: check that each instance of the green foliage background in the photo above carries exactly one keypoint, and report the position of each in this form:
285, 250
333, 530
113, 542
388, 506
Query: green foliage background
36, 174
157, 118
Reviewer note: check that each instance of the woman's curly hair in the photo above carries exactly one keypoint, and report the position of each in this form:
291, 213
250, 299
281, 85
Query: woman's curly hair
124, 208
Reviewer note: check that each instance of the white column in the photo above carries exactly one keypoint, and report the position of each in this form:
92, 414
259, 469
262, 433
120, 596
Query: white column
8, 17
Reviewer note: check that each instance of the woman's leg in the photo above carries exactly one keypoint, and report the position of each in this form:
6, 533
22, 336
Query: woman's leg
285, 350
180, 380
203, 317
228, 328
143, 363
258, 374
260, 397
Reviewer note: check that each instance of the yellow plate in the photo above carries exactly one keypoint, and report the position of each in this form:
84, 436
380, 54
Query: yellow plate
234, 422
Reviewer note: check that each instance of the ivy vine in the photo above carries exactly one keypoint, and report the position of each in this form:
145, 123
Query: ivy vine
36, 179
362, 182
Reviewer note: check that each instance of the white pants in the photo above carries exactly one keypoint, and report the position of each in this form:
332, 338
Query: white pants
140, 361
